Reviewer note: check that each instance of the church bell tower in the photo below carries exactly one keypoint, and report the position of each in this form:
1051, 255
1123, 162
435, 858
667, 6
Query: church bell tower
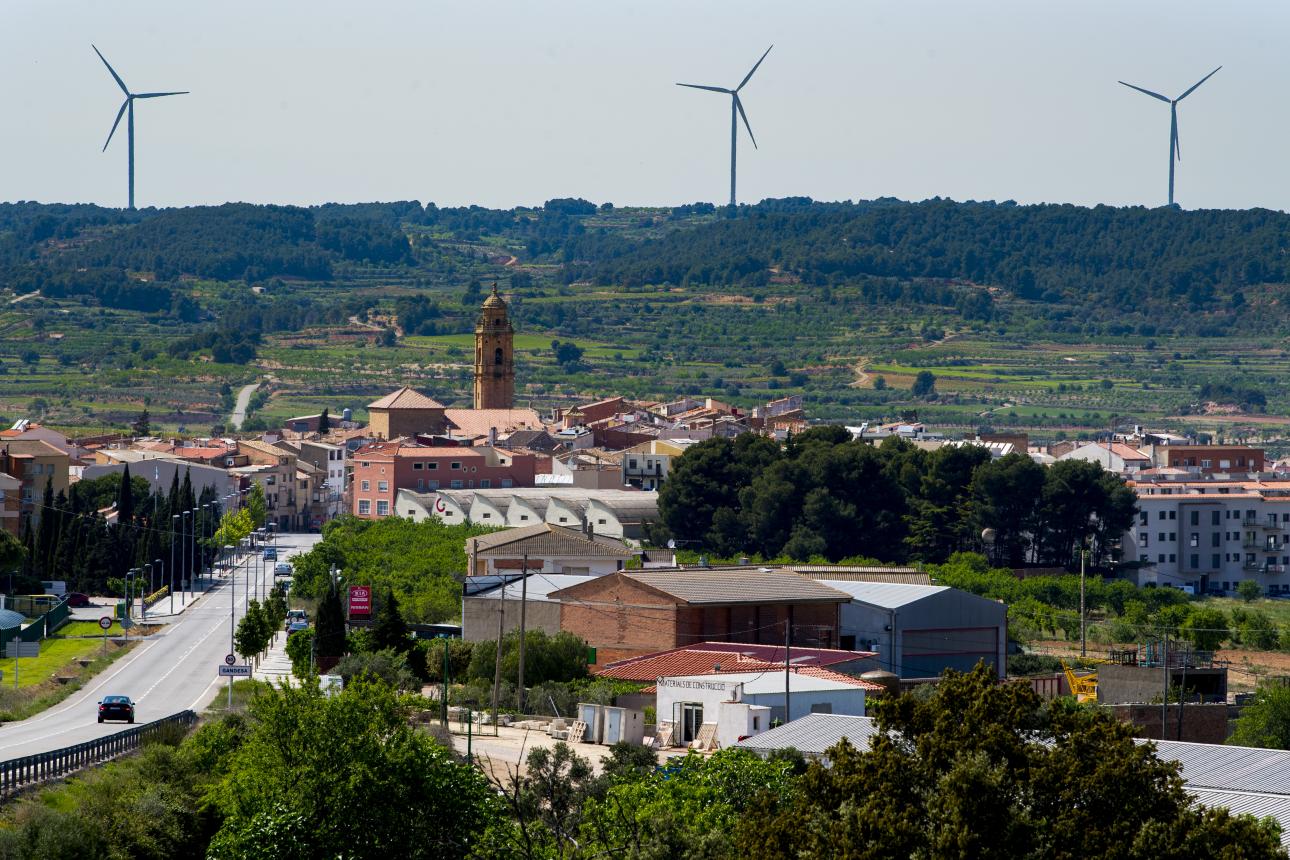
494, 356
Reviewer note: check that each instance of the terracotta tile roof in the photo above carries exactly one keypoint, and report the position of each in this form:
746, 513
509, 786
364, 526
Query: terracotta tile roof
405, 398
730, 656
696, 586
477, 422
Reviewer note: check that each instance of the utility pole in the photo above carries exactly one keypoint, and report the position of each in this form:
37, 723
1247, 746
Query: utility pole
524, 594
1083, 616
1182, 696
788, 672
497, 659
1164, 701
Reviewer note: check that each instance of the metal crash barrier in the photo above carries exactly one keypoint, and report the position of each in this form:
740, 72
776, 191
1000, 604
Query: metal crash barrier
19, 773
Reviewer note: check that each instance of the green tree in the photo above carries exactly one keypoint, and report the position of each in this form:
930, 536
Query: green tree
1206, 628
387, 665
300, 650
924, 386
562, 657
255, 504
254, 632
324, 421
1265, 722
403, 794
1249, 590
389, 630
982, 769
1004, 496
142, 425
330, 629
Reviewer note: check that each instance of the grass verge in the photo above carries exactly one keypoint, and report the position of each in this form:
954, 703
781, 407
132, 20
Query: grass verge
44, 691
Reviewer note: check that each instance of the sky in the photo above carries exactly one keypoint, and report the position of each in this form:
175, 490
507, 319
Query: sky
512, 103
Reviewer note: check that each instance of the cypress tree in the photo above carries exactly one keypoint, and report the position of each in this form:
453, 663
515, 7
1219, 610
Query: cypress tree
125, 499
389, 630
330, 629
324, 421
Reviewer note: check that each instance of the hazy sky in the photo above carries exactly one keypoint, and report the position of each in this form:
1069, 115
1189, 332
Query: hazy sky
506, 103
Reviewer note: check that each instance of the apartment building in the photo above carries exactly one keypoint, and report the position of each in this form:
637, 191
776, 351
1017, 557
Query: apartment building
646, 466
1212, 534
328, 462
10, 506
34, 463
381, 469
1210, 459
275, 470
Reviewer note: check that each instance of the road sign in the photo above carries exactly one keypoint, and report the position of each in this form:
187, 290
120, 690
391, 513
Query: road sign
127, 623
235, 671
105, 622
229, 660
360, 601
22, 649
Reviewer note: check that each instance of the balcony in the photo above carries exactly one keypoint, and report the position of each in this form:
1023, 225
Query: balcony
1271, 525
1273, 568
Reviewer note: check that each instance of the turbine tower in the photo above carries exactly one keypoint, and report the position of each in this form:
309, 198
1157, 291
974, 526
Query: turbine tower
128, 105
1175, 148
736, 111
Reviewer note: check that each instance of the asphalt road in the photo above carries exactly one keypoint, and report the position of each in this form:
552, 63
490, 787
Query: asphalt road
173, 671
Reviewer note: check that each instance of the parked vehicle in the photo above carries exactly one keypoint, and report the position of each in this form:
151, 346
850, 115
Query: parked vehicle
282, 569
116, 708
271, 553
56, 587
296, 626
76, 600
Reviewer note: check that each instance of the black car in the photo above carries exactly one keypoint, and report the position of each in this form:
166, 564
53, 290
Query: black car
116, 708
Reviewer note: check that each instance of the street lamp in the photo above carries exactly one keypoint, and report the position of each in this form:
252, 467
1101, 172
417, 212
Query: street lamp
183, 558
173, 517
161, 571
206, 518
143, 607
129, 574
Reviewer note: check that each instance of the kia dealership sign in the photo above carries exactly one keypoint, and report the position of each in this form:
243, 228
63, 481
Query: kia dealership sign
360, 601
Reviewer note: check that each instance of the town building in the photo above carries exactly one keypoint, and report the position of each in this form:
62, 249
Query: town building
712, 657
492, 600
545, 548
1112, 456
494, 356
621, 514
329, 462
738, 705
10, 504
405, 412
286, 492
35, 464
1210, 459
646, 466
1210, 534
631, 613
380, 470
921, 630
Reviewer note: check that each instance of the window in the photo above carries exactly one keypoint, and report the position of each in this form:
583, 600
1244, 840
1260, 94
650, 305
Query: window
1213, 518
1144, 538
499, 357
1172, 557
1162, 558
366, 486
1162, 513
1173, 536
364, 465
1205, 464
456, 485
822, 708
506, 483
1194, 540
566, 519
1195, 560
1144, 558
421, 484
600, 522
411, 513
432, 485
382, 486
485, 483
418, 466
485, 516
1173, 515
1143, 516
1214, 539
1161, 536
364, 506
1213, 560
454, 465
1195, 518
432, 466
523, 517
382, 508
631, 464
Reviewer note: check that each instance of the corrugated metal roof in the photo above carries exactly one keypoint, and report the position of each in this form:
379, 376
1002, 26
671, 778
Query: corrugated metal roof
698, 585
539, 588
1230, 768
884, 594
812, 734
1249, 803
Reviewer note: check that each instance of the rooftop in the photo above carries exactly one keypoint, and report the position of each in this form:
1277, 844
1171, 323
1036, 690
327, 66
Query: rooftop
405, 398
885, 594
545, 540
760, 681
698, 587
730, 656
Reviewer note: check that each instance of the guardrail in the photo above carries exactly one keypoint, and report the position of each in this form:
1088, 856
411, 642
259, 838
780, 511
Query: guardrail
19, 773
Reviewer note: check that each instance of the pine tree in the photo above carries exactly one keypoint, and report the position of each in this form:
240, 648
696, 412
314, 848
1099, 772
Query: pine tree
330, 629
47, 532
142, 424
390, 630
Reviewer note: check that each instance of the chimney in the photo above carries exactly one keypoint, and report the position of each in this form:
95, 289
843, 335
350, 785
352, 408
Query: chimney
492, 436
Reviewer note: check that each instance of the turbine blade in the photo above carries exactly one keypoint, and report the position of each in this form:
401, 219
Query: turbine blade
740, 106
125, 104
1148, 92
709, 89
750, 73
159, 95
1198, 83
120, 83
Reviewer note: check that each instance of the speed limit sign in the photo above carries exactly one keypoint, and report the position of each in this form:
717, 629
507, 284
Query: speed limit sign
105, 622
229, 659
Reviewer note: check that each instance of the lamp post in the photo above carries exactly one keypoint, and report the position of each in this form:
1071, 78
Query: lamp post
173, 518
161, 572
129, 575
207, 510
1083, 617
183, 558
192, 555
143, 607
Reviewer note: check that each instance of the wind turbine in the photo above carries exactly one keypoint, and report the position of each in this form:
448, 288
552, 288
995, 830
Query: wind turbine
736, 111
128, 105
1175, 148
